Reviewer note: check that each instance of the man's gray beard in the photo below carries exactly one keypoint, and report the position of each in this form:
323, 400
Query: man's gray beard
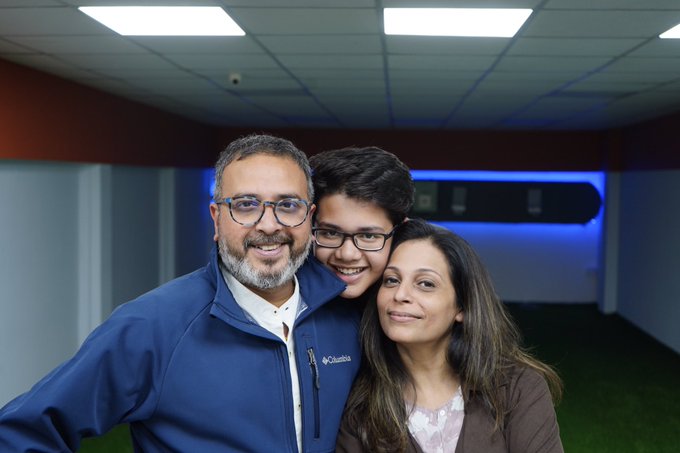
242, 271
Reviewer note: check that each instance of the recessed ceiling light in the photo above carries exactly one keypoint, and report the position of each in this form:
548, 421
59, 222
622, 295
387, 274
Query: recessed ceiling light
165, 20
482, 22
673, 33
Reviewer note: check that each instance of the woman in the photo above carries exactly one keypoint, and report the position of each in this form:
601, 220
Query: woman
444, 370
361, 195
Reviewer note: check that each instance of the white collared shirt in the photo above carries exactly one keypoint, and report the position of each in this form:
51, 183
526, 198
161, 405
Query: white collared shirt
273, 318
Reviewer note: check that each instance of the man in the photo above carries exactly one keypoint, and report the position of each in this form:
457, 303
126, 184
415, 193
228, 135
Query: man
244, 355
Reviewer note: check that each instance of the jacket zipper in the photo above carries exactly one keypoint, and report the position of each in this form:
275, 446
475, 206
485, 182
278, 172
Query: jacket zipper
315, 375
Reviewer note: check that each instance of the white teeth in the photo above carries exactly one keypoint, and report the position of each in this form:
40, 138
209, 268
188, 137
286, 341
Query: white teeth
268, 248
349, 271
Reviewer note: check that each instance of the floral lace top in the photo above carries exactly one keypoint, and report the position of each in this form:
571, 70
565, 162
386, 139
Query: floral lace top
437, 431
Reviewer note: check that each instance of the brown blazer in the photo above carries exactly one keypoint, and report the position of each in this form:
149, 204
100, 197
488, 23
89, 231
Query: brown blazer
530, 426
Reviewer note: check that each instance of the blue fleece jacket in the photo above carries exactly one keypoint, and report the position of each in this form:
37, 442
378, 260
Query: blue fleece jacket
191, 373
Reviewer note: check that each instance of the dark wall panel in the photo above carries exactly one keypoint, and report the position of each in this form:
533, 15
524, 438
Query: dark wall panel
45, 117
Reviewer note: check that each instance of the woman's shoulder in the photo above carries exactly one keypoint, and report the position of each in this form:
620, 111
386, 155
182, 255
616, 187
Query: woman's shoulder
523, 375
527, 389
531, 423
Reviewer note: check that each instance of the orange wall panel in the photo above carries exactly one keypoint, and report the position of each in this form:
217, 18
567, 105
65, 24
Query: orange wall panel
48, 118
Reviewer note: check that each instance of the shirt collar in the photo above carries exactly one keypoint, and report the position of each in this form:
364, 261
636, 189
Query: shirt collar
259, 309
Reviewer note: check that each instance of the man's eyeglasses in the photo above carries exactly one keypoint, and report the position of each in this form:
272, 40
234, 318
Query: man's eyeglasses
247, 211
333, 239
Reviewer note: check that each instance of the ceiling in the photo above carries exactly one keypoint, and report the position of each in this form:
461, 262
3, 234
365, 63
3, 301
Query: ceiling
574, 65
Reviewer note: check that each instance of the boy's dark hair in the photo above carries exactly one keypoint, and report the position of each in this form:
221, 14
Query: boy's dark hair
368, 174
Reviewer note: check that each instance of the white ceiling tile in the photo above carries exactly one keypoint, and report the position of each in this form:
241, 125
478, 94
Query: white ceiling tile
424, 76
128, 73
322, 44
321, 89
435, 63
49, 64
219, 101
494, 108
489, 107
519, 86
557, 107
619, 24
645, 65
614, 77
321, 63
224, 62
427, 106
508, 99
671, 86
29, 3
247, 75
531, 76
612, 4
486, 116
297, 21
639, 104
369, 107
338, 73
295, 62
591, 85
551, 64
199, 44
76, 44
265, 85
48, 21
485, 96
299, 105
7, 47
444, 45
177, 86
362, 121
114, 61
441, 88
572, 46
659, 48
338, 83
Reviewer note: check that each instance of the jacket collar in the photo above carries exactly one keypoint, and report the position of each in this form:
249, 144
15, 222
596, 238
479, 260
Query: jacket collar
317, 287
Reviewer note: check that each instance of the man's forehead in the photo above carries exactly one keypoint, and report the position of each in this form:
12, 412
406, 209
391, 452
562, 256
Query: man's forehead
265, 175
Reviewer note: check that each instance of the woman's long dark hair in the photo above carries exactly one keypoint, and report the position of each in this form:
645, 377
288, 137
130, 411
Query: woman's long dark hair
482, 349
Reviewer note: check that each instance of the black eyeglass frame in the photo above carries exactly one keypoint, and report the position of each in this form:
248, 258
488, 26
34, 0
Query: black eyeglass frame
274, 204
344, 235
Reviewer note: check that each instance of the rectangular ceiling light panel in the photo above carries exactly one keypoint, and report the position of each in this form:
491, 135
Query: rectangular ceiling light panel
165, 20
673, 33
480, 22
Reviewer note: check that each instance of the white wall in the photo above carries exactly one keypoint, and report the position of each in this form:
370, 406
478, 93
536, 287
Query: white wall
135, 231
537, 262
38, 271
76, 240
649, 253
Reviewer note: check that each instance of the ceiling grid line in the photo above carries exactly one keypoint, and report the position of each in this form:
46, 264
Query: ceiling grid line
575, 64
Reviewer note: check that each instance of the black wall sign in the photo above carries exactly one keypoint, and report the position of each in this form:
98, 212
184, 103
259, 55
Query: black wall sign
506, 202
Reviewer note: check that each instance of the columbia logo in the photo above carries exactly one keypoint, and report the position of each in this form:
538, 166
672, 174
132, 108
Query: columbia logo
333, 359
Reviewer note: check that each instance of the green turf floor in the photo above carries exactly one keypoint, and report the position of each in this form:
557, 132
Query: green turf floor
622, 388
